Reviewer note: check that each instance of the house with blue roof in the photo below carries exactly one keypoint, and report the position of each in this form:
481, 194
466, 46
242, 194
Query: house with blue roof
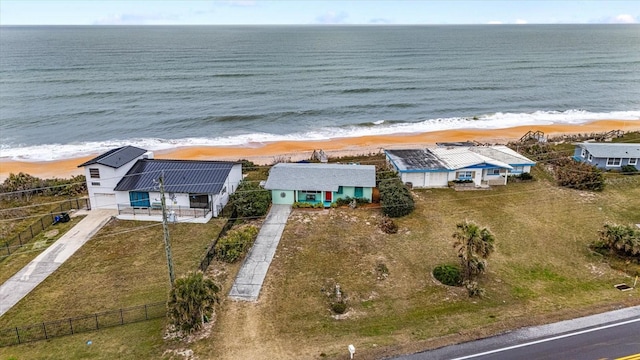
315, 183
126, 179
608, 156
436, 167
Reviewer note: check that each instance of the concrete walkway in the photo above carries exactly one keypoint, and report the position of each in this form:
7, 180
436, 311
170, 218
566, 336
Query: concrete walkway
254, 268
21, 284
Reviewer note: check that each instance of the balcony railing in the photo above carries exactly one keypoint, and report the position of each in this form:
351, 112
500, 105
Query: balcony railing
179, 211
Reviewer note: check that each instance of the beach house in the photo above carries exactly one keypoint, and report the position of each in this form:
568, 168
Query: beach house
314, 183
608, 156
127, 179
436, 167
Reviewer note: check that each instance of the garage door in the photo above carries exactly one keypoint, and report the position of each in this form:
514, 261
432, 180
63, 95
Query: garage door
104, 201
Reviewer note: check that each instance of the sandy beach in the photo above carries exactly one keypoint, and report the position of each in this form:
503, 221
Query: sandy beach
266, 153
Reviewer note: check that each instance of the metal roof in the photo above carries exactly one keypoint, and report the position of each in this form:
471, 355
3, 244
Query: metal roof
415, 159
462, 157
117, 157
452, 158
502, 153
319, 177
180, 176
612, 150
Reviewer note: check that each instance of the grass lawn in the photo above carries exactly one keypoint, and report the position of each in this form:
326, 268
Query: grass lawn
542, 271
123, 265
20, 257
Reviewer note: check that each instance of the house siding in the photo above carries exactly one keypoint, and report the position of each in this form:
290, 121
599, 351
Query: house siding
108, 180
288, 199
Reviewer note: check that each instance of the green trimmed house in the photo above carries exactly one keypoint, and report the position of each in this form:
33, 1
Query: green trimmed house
320, 183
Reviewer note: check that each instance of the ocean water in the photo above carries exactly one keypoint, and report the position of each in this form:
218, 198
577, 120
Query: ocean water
70, 91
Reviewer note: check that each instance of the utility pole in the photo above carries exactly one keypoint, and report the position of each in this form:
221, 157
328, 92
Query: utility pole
165, 230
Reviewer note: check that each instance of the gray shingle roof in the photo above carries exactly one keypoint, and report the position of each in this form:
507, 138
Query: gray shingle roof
612, 150
116, 157
322, 177
181, 176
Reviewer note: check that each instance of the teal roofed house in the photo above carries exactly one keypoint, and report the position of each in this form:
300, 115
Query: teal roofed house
320, 183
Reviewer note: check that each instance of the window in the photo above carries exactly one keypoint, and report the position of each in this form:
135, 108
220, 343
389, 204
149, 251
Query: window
613, 161
493, 172
590, 157
224, 190
339, 190
93, 183
358, 192
464, 174
583, 153
633, 161
283, 194
94, 173
517, 169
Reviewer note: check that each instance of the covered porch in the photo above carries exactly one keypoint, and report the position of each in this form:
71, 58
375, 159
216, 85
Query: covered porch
174, 213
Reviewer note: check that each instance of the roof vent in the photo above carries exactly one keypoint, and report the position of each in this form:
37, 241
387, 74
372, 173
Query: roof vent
148, 155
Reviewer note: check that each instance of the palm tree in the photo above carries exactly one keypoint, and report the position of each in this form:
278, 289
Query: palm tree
474, 245
191, 301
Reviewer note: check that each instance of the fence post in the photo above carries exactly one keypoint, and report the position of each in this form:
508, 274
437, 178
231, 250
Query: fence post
18, 334
121, 318
71, 326
20, 238
8, 249
42, 223
146, 315
44, 327
97, 326
77, 204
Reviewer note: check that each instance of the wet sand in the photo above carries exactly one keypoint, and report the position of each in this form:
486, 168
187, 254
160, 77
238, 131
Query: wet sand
267, 153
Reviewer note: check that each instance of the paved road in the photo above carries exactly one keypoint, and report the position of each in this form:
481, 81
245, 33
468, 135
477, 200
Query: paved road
21, 284
254, 268
610, 335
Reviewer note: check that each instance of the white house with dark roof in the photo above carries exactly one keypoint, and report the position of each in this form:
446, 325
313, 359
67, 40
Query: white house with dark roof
435, 167
608, 156
105, 171
320, 183
127, 180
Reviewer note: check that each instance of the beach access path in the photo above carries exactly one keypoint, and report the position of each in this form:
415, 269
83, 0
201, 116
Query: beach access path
254, 268
25, 280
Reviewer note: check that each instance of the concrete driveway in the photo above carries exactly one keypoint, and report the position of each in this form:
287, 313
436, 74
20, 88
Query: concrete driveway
21, 284
254, 268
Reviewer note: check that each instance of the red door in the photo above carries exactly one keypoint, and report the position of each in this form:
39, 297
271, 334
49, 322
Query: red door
327, 196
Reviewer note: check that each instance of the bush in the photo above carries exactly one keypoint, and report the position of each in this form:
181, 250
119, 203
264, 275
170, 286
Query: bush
629, 170
248, 165
448, 275
577, 175
473, 289
250, 200
388, 226
347, 201
232, 246
395, 198
624, 240
525, 176
339, 307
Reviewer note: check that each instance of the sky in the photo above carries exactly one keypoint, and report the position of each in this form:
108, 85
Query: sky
308, 12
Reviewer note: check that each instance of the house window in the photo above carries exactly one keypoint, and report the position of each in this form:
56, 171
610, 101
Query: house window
283, 194
199, 201
583, 153
517, 169
633, 161
462, 175
94, 173
93, 183
340, 188
224, 190
590, 157
358, 193
493, 172
613, 161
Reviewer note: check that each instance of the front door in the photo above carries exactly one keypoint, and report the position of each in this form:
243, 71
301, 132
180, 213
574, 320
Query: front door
328, 196
357, 193
139, 199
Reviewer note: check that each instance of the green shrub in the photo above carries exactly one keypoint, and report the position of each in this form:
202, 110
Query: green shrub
577, 175
248, 165
250, 200
235, 243
339, 307
448, 274
301, 205
525, 176
395, 198
629, 169
473, 289
624, 240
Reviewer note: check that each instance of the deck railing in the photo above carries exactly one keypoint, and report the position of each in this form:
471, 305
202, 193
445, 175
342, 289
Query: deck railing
179, 211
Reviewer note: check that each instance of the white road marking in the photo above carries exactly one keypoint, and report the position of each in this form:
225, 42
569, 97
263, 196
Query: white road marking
546, 340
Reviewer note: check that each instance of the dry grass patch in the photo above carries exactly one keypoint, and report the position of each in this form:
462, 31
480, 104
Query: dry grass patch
542, 271
123, 265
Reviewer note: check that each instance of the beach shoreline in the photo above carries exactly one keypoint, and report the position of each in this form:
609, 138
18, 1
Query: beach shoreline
267, 153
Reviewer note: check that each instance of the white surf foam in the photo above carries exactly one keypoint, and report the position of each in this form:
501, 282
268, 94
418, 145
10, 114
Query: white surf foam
48, 152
